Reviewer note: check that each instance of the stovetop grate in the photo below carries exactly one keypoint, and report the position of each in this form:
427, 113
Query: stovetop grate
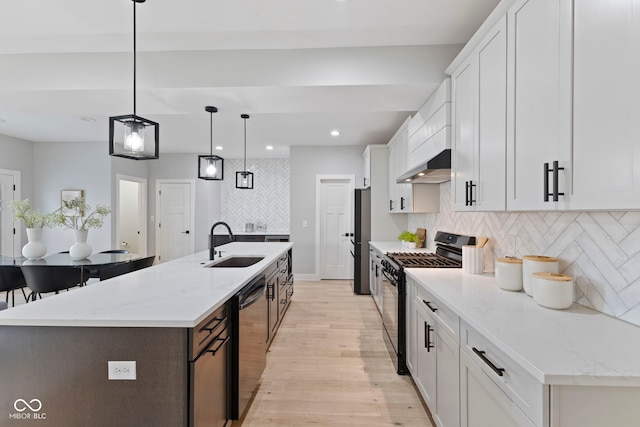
423, 260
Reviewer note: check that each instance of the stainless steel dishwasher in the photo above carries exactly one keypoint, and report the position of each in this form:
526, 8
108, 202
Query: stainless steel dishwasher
250, 320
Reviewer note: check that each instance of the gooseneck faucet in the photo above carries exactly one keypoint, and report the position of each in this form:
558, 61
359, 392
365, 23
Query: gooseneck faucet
212, 246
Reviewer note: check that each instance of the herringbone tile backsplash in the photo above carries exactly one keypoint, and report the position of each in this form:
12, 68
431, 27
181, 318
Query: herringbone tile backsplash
268, 202
601, 250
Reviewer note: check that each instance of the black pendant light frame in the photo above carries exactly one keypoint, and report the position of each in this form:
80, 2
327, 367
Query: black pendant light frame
132, 123
205, 161
244, 178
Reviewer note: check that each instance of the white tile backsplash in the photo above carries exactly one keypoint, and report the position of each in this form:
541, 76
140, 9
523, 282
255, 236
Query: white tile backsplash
268, 202
601, 250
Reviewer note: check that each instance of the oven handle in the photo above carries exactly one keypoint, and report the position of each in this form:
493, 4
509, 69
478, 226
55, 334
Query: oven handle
392, 280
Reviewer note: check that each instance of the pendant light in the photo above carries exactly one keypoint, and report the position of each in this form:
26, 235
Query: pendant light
244, 178
211, 167
132, 136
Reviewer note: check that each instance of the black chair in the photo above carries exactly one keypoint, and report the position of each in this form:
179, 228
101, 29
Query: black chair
94, 272
3, 305
42, 279
115, 270
11, 278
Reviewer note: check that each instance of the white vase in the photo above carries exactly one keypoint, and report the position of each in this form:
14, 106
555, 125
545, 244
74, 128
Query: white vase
411, 245
80, 249
35, 249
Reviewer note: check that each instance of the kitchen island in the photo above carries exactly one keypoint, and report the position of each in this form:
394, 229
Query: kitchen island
54, 353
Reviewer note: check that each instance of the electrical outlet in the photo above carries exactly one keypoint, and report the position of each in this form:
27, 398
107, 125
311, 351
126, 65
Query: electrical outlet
122, 370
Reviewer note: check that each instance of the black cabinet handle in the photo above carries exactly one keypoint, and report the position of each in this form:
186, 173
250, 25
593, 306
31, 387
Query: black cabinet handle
223, 342
364, 181
377, 266
555, 192
390, 205
427, 303
427, 337
272, 295
401, 203
468, 193
184, 232
494, 368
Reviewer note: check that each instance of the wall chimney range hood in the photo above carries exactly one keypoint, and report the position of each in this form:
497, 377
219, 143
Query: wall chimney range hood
433, 171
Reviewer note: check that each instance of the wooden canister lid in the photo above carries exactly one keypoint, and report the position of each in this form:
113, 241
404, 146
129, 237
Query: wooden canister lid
540, 258
554, 277
509, 260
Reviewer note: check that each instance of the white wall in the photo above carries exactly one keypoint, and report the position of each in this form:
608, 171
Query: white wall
305, 164
72, 166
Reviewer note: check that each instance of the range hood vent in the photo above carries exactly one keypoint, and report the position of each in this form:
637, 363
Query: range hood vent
433, 171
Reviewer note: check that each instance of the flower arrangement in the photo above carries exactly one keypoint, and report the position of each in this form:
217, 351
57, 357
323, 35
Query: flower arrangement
78, 221
32, 218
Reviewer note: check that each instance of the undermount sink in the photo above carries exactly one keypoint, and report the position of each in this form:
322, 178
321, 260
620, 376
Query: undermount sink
236, 262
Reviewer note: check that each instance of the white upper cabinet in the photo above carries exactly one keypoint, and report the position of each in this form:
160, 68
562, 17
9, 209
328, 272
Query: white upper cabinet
538, 104
606, 105
479, 125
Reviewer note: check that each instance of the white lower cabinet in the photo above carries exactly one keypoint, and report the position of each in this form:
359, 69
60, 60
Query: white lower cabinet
433, 356
482, 403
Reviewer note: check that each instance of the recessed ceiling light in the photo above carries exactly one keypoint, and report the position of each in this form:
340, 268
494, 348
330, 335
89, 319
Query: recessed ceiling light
219, 147
335, 132
269, 147
3, 121
88, 119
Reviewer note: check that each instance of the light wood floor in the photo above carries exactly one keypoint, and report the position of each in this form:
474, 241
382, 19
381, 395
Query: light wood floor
328, 366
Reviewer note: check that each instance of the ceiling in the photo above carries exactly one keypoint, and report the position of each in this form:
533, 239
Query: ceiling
299, 68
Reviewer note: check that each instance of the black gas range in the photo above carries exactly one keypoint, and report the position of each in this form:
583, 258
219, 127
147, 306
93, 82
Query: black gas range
448, 254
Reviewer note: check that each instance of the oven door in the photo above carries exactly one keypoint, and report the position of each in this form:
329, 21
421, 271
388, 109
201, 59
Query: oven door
390, 308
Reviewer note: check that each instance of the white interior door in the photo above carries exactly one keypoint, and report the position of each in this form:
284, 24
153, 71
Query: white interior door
175, 212
131, 223
334, 204
9, 236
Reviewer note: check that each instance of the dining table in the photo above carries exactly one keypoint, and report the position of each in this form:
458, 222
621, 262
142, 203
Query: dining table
94, 262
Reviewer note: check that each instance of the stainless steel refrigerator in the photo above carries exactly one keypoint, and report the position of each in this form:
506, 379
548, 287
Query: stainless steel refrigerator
360, 241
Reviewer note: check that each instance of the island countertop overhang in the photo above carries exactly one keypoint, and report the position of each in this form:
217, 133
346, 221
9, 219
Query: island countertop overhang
179, 293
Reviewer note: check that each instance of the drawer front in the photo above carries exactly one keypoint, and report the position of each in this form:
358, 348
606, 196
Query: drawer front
523, 389
207, 330
446, 317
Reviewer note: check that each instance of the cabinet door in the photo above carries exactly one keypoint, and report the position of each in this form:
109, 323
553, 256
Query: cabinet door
447, 411
394, 197
366, 168
425, 363
463, 84
404, 190
606, 107
491, 144
482, 403
410, 321
538, 100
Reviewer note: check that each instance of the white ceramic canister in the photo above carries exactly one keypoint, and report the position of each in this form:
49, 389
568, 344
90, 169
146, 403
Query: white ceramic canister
509, 273
472, 259
534, 264
553, 290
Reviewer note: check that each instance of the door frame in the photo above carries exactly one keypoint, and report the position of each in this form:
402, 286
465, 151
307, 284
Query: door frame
17, 229
192, 183
143, 211
319, 179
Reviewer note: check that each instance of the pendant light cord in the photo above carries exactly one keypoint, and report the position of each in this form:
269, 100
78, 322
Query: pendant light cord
134, 57
245, 145
211, 133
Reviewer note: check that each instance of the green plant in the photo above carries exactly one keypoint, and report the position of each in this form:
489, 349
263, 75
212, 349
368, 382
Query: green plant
78, 220
32, 218
407, 236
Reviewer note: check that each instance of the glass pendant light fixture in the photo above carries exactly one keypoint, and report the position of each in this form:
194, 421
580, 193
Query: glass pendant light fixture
244, 178
132, 136
211, 167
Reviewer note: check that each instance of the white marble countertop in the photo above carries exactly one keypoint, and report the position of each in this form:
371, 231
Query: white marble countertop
385, 247
178, 293
576, 346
